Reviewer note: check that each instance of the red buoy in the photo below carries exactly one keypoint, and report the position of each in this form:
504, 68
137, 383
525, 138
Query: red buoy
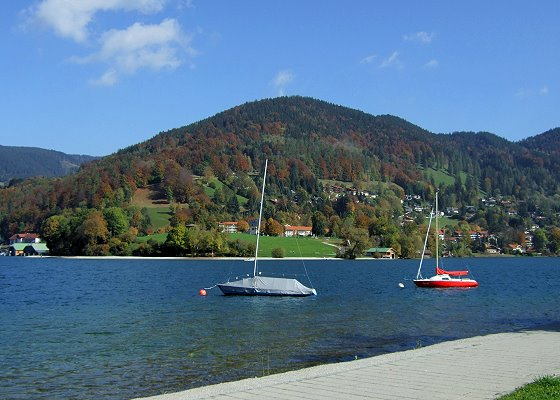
202, 292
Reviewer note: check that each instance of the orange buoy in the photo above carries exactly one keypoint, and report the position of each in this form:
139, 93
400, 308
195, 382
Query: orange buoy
202, 292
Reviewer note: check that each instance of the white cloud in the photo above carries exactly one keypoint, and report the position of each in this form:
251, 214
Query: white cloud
281, 79
433, 63
392, 61
420, 37
185, 4
369, 59
139, 46
70, 18
109, 78
525, 93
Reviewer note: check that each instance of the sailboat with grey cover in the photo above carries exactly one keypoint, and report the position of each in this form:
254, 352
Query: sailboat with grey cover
258, 285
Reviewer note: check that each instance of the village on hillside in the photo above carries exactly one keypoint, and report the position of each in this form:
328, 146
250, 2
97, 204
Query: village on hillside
455, 233
458, 237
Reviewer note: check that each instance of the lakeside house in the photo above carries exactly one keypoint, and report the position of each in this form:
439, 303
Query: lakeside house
36, 249
28, 249
381, 252
16, 249
490, 249
295, 230
26, 244
24, 238
228, 227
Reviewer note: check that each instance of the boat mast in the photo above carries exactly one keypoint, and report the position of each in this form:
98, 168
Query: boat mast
437, 231
418, 274
260, 217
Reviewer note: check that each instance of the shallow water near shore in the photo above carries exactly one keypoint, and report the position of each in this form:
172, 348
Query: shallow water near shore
117, 329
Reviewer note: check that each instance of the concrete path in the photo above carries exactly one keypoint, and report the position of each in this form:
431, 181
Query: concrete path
482, 367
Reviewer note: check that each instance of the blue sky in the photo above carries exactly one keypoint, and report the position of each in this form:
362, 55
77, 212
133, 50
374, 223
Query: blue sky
93, 76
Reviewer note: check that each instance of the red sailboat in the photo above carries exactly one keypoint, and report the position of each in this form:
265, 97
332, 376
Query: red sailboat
442, 278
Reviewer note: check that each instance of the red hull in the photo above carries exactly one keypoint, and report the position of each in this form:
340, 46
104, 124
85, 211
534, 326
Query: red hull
445, 284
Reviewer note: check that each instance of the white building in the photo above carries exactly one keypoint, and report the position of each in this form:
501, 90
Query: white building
228, 227
293, 230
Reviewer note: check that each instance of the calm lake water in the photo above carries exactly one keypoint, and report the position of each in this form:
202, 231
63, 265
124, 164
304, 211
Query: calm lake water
117, 329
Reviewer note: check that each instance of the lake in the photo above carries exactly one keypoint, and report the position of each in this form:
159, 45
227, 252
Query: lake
116, 329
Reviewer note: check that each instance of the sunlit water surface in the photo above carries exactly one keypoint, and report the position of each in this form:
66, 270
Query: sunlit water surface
117, 329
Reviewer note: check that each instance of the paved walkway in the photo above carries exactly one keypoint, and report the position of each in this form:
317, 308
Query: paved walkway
482, 367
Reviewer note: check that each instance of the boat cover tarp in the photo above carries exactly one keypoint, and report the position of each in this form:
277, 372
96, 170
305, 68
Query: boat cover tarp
266, 286
440, 271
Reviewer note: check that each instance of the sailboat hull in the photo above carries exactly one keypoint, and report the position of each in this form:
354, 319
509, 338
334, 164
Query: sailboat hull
447, 283
266, 286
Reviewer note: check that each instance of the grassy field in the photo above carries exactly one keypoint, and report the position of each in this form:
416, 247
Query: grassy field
440, 177
159, 216
546, 388
158, 208
219, 185
443, 178
310, 247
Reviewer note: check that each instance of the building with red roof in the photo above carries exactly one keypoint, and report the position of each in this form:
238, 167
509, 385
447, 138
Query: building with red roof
296, 230
25, 238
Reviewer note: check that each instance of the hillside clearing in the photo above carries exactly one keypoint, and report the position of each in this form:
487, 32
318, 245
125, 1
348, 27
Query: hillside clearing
149, 197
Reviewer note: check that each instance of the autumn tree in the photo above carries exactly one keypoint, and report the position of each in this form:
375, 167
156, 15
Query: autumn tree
554, 240
242, 226
273, 228
94, 234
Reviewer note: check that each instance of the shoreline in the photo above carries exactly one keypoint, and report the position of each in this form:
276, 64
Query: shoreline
251, 259
183, 258
487, 366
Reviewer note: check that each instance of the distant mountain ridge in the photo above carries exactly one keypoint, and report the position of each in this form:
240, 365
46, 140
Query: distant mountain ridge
547, 142
25, 162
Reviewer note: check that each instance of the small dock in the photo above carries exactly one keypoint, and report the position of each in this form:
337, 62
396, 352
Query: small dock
482, 367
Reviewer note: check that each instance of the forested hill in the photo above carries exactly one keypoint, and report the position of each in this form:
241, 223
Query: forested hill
310, 144
547, 142
24, 162
326, 141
